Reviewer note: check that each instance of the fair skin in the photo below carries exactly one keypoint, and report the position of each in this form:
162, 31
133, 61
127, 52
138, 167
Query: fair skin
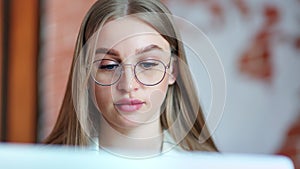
130, 110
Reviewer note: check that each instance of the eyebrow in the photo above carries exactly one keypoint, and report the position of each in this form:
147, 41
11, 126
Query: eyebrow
107, 51
113, 52
147, 49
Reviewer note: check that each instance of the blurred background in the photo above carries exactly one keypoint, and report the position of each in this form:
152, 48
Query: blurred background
258, 42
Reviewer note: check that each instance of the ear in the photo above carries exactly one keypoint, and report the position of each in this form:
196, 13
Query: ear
173, 72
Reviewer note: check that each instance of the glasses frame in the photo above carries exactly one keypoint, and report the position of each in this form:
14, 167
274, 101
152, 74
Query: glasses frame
134, 71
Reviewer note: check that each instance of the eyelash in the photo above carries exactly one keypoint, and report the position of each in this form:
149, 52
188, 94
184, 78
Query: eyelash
109, 67
145, 64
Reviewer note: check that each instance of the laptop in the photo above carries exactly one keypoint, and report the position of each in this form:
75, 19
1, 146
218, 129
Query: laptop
23, 156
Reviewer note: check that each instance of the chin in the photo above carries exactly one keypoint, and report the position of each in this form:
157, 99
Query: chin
131, 122
123, 123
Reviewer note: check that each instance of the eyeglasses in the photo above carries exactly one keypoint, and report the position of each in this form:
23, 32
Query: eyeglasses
148, 72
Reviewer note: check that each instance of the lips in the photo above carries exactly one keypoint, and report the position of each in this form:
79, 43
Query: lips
129, 105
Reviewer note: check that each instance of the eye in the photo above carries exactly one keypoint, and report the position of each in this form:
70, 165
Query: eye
148, 64
108, 65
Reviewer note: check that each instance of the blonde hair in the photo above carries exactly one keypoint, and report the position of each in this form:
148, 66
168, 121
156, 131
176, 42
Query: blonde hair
181, 104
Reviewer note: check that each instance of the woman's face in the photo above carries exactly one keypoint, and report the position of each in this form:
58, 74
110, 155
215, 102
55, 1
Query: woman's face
123, 43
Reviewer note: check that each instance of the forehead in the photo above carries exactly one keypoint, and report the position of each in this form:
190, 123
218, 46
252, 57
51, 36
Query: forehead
126, 32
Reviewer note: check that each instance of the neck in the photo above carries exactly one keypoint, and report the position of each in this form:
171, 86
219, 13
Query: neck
145, 139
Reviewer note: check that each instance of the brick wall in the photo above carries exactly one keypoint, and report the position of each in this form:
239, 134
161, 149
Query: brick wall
60, 26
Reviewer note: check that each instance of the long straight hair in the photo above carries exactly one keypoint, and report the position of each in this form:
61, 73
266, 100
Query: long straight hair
181, 112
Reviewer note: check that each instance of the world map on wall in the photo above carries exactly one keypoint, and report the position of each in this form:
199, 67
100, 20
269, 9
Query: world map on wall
256, 59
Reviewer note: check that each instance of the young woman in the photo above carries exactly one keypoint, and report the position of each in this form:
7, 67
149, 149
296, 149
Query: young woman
130, 88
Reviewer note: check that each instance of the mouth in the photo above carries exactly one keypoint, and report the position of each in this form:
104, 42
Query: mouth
129, 105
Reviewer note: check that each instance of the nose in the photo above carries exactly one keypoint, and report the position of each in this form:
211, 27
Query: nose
127, 81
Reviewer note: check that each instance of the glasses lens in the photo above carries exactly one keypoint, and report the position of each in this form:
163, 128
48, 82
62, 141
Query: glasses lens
150, 72
106, 72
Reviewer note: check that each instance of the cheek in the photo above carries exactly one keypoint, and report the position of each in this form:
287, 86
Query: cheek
103, 97
164, 84
157, 95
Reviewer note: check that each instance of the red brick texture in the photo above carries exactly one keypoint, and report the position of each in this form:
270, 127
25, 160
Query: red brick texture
61, 24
